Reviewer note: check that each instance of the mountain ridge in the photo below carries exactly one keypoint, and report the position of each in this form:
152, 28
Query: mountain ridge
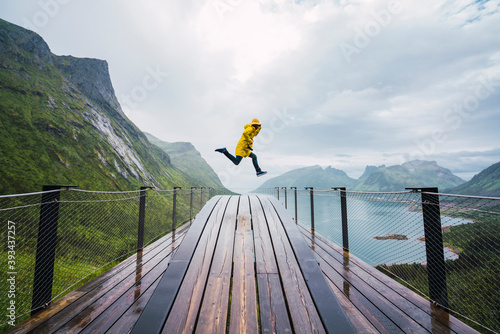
311, 176
414, 173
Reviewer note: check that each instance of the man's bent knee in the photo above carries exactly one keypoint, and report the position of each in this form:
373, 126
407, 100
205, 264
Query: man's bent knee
237, 160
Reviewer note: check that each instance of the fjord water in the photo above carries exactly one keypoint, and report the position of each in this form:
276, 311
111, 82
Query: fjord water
369, 219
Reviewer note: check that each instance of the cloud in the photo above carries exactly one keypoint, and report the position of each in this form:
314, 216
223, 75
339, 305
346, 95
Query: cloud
346, 83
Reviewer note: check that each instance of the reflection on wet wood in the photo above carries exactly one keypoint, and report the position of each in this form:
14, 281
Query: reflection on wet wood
244, 297
272, 305
213, 313
186, 306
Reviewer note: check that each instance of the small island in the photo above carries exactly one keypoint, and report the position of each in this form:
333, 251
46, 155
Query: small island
392, 237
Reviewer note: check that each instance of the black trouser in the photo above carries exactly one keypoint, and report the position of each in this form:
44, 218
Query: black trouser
238, 159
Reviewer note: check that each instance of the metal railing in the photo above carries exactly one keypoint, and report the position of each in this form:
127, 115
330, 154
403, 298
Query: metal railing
445, 247
56, 240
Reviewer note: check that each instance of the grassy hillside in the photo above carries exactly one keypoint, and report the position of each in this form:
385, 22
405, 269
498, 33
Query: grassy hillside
185, 157
486, 183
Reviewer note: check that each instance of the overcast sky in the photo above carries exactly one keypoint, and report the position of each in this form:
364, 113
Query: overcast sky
335, 83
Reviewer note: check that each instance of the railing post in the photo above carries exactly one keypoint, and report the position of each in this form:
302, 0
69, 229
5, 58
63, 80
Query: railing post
278, 189
311, 192
201, 197
436, 269
343, 210
142, 218
284, 188
191, 205
174, 209
295, 191
46, 246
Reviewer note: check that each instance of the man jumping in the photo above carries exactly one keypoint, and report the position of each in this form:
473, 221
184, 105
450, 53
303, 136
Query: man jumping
245, 146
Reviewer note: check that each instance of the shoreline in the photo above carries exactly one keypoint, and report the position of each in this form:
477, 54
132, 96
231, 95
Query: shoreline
454, 250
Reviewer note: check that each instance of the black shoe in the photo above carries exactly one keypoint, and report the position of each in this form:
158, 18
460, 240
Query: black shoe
261, 173
221, 150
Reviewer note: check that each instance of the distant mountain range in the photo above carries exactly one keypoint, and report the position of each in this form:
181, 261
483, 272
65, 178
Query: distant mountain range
414, 173
313, 176
61, 123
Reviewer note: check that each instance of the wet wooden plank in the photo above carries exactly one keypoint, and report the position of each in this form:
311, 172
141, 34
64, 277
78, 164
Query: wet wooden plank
214, 308
274, 316
364, 295
156, 311
106, 312
303, 313
265, 262
243, 296
328, 306
185, 310
129, 318
56, 316
112, 303
412, 305
358, 320
371, 312
435, 318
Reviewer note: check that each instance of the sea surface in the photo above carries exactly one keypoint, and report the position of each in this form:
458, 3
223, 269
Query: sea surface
368, 219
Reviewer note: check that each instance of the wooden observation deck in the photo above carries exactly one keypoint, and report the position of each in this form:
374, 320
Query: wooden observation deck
242, 266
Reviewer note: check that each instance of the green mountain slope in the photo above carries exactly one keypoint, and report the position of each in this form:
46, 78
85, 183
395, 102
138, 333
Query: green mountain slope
185, 157
414, 173
314, 176
60, 123
486, 183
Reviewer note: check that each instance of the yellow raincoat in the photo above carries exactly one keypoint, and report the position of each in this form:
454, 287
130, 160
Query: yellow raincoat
243, 149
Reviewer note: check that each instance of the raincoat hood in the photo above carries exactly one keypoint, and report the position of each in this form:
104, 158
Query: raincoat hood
245, 145
255, 121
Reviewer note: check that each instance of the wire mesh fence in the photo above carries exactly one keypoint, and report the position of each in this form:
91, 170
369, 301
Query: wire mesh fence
392, 231
93, 232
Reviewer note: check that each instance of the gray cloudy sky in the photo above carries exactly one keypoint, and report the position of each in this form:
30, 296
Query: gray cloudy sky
340, 83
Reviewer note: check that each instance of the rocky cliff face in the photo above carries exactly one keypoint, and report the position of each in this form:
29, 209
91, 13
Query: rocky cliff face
14, 39
91, 77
